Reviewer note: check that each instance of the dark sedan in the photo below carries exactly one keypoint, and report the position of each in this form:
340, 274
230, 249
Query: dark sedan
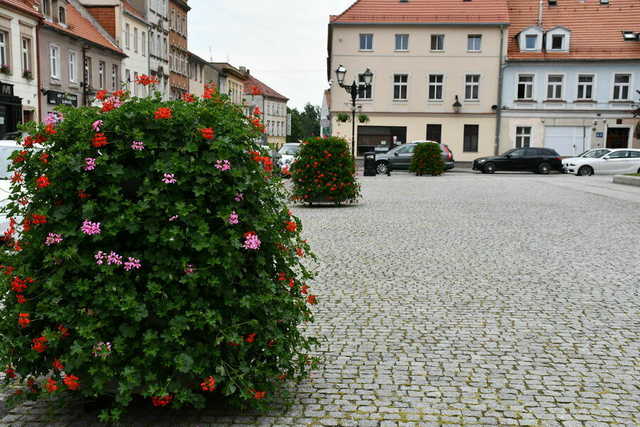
538, 160
400, 157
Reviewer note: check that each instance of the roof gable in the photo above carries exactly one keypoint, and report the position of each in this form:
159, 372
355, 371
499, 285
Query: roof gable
265, 90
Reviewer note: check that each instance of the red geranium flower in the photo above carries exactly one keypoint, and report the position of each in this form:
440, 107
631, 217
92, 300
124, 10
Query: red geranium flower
17, 177
39, 219
163, 113
207, 133
43, 181
71, 381
101, 94
312, 299
39, 344
250, 338
257, 111
50, 130
21, 157
27, 142
44, 158
209, 384
119, 93
18, 285
99, 140
57, 364
11, 373
64, 332
21, 299
161, 400
258, 394
292, 226
83, 195
23, 319
51, 385
146, 80
255, 90
187, 97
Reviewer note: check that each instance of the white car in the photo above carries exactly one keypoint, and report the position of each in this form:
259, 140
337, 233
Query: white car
618, 161
6, 148
287, 154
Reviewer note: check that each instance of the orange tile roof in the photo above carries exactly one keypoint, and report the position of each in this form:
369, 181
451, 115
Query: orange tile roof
424, 11
266, 90
27, 6
132, 10
79, 26
596, 30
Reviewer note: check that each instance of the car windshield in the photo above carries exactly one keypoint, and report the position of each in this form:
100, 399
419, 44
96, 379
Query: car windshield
289, 150
5, 152
510, 151
595, 154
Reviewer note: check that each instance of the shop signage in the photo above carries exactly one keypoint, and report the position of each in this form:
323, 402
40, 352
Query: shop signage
61, 98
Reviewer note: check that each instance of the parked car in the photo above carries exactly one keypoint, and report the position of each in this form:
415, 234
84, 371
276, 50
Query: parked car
6, 148
538, 160
618, 161
286, 155
399, 158
594, 153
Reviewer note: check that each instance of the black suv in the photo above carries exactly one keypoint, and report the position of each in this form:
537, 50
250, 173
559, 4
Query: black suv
539, 160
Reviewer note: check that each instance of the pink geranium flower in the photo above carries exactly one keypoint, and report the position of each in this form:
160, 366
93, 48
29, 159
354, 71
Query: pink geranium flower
169, 178
233, 218
132, 263
53, 239
97, 125
239, 197
90, 164
137, 145
173, 218
114, 259
251, 241
90, 228
223, 165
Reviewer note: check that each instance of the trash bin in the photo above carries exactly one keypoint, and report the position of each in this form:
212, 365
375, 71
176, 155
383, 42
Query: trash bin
370, 164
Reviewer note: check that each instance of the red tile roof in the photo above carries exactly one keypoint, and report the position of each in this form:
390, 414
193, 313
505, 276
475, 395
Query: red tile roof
596, 30
424, 11
27, 6
132, 10
264, 89
79, 26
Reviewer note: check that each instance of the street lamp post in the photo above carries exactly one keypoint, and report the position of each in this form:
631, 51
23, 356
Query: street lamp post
352, 90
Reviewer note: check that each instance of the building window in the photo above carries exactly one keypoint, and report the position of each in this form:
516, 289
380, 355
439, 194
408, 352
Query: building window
434, 133
135, 40
400, 83
557, 42
62, 15
585, 86
474, 42
436, 83
101, 79
366, 41
114, 77
437, 42
531, 41
364, 91
73, 67
525, 86
127, 36
54, 61
26, 55
402, 41
554, 86
470, 144
621, 87
4, 56
472, 87
136, 86
88, 71
46, 7
523, 136
144, 43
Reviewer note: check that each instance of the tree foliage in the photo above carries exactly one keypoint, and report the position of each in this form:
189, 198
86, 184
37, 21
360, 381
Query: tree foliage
304, 124
427, 159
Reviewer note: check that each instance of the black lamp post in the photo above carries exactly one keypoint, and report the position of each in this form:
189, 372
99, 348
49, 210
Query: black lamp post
457, 106
352, 90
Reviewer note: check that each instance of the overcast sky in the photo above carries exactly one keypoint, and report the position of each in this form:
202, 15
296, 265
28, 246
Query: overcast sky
282, 42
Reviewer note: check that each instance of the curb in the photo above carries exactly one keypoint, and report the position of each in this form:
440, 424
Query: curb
627, 180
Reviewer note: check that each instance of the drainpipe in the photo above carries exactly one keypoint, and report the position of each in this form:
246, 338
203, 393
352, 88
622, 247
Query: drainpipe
40, 88
500, 82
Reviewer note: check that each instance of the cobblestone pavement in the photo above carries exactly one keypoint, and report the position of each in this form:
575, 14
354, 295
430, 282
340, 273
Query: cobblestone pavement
467, 300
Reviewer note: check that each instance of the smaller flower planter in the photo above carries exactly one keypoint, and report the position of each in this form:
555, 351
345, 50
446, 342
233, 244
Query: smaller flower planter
4, 69
27, 75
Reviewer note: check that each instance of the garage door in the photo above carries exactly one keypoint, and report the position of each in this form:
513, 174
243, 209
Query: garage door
567, 140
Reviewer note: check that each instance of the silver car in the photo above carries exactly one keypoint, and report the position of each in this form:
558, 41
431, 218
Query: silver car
400, 157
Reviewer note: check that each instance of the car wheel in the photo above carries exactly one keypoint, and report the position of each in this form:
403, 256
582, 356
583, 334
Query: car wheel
544, 168
381, 168
489, 168
585, 171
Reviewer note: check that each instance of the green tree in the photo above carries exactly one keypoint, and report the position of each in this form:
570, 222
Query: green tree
304, 124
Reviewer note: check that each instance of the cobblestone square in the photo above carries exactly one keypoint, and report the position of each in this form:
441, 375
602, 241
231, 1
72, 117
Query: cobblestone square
465, 300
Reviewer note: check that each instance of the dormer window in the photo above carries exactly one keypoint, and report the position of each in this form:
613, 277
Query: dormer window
531, 41
62, 15
558, 39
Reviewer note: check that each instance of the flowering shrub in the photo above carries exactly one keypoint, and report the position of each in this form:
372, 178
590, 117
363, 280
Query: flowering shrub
324, 171
151, 255
427, 159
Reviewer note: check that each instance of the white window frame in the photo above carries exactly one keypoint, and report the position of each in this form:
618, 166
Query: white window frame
54, 61
473, 85
614, 85
563, 38
360, 83
144, 43
535, 37
469, 46
431, 43
114, 76
558, 31
532, 84
363, 37
579, 84
400, 84
73, 66
435, 85
401, 36
25, 54
127, 36
522, 134
135, 39
4, 48
102, 81
555, 85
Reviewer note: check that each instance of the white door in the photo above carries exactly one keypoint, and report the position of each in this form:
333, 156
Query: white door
567, 140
